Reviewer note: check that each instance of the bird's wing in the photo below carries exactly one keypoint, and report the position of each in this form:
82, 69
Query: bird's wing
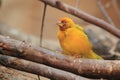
79, 27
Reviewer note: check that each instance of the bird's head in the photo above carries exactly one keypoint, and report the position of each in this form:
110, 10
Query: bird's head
65, 23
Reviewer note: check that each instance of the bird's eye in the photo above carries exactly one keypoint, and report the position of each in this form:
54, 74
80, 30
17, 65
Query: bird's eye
63, 22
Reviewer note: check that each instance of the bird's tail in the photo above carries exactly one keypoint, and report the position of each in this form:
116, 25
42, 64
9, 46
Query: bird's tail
95, 56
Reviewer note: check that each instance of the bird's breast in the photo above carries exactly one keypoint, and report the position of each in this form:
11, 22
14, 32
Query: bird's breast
74, 41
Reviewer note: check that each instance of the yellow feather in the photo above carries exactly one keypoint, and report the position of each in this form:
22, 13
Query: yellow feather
74, 41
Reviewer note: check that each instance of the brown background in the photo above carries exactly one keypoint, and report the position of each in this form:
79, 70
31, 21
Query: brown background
26, 16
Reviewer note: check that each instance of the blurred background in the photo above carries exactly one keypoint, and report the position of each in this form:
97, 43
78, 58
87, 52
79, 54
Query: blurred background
26, 16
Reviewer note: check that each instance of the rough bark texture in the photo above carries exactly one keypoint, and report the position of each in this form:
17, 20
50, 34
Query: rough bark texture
80, 14
85, 67
12, 74
38, 69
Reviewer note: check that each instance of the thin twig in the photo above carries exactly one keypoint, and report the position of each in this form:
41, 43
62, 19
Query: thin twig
41, 30
42, 25
80, 14
39, 77
116, 7
104, 12
77, 4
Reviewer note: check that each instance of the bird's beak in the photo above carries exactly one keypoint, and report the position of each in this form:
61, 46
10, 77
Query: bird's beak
59, 24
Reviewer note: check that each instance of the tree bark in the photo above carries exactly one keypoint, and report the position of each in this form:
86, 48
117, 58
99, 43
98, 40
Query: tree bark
85, 67
12, 74
38, 69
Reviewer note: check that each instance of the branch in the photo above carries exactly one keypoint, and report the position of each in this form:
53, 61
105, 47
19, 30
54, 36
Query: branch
12, 74
104, 12
116, 7
77, 4
96, 68
38, 69
80, 14
42, 25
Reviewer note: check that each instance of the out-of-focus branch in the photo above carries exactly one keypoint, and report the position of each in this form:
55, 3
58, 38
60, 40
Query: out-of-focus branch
38, 69
42, 25
104, 12
79, 13
116, 7
18, 35
77, 4
96, 68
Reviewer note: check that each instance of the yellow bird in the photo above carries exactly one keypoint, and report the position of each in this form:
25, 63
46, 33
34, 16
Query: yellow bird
74, 41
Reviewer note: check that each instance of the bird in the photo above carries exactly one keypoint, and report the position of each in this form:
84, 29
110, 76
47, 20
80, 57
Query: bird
73, 40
